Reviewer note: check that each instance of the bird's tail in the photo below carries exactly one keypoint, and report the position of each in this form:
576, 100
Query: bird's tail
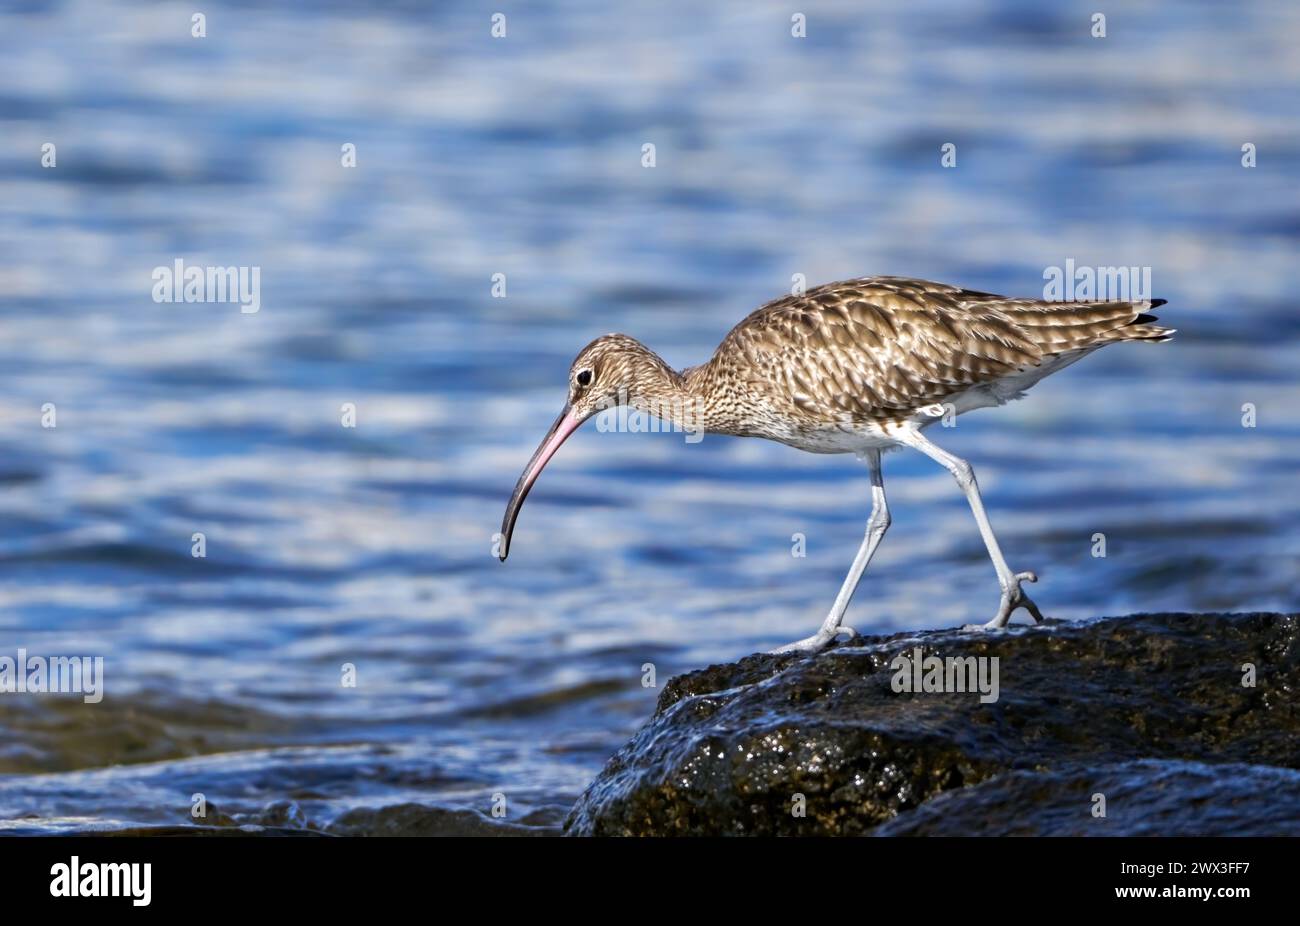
1057, 327
1141, 327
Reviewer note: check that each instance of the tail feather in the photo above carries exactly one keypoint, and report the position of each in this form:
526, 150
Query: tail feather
1141, 329
1057, 327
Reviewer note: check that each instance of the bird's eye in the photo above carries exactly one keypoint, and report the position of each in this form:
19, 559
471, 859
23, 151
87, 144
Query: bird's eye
584, 377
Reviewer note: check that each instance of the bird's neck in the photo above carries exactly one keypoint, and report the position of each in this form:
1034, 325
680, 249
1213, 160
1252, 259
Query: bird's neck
677, 398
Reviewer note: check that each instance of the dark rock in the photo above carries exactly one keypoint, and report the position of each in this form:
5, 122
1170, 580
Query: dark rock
421, 820
731, 748
1150, 797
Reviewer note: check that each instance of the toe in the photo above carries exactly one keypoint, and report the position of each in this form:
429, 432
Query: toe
807, 645
1032, 608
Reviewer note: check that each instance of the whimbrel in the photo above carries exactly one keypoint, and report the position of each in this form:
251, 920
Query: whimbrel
860, 367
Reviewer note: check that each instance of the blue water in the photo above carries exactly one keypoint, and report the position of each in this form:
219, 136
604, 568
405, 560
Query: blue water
372, 546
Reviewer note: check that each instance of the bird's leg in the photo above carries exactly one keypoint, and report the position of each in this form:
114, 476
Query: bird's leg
877, 524
1012, 596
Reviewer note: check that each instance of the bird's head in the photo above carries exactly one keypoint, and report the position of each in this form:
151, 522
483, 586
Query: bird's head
610, 371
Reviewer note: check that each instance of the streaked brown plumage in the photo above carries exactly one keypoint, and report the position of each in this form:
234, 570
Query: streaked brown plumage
856, 366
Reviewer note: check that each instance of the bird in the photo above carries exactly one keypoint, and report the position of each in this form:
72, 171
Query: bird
861, 366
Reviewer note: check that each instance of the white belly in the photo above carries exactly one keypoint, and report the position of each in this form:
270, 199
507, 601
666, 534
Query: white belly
847, 439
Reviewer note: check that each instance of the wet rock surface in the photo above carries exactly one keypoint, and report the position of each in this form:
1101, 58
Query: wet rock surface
1158, 713
419, 820
1150, 797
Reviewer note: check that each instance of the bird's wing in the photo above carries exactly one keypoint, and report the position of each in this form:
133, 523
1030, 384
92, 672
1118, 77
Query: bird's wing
880, 348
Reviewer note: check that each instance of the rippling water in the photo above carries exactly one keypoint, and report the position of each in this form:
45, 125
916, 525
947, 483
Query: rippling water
372, 546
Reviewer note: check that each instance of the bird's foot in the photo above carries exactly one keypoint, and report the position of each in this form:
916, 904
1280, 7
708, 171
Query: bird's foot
1012, 598
817, 642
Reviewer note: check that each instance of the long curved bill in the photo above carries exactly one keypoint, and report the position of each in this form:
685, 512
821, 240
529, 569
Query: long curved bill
564, 425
